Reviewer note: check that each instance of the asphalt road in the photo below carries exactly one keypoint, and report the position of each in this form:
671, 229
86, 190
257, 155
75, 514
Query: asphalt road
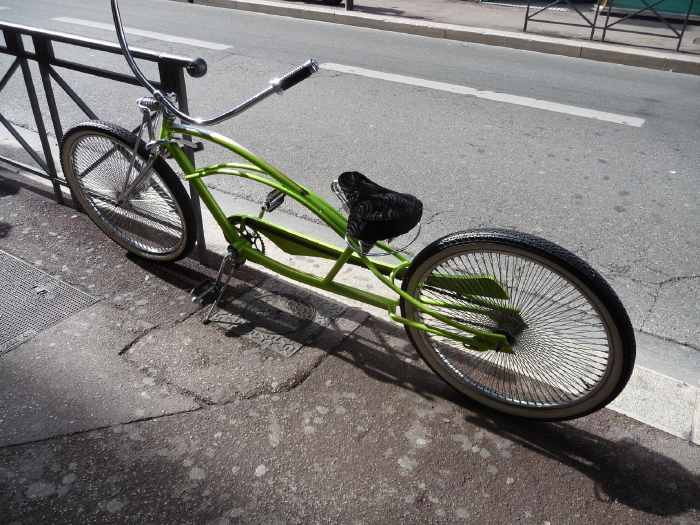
623, 197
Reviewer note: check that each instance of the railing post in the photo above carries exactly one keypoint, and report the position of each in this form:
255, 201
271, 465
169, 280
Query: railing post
172, 78
685, 24
527, 16
16, 46
44, 53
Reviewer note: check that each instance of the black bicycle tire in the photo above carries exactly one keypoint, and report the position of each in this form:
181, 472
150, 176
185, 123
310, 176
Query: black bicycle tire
591, 279
164, 171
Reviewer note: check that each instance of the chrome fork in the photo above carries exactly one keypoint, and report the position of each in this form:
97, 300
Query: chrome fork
150, 112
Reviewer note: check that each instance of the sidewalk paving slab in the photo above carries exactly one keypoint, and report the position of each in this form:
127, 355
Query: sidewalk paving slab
70, 378
264, 341
62, 242
366, 433
370, 437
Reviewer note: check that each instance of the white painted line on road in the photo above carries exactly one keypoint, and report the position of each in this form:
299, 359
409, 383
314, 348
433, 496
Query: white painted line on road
490, 95
148, 34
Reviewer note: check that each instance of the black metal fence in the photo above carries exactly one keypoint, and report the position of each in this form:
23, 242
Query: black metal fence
582, 20
171, 70
650, 9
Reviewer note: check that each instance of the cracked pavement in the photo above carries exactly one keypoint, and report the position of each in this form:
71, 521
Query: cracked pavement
287, 408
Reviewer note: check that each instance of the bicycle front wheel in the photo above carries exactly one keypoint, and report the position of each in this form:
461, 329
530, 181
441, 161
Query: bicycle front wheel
156, 222
573, 347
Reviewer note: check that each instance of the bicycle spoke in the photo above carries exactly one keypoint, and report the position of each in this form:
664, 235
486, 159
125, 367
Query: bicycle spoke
559, 356
149, 220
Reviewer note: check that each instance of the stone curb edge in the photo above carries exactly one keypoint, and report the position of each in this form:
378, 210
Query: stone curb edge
601, 52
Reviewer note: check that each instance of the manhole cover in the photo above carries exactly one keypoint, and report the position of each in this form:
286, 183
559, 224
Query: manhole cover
32, 300
283, 319
279, 314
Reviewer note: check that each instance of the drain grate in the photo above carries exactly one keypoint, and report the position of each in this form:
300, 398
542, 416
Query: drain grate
32, 300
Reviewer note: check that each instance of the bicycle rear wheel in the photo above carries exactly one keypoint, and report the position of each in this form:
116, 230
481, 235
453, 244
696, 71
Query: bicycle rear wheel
573, 344
156, 222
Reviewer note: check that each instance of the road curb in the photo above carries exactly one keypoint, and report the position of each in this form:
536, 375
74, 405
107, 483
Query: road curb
598, 51
662, 402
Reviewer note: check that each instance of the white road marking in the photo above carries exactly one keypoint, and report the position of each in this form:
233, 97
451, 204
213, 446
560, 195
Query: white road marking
490, 95
148, 34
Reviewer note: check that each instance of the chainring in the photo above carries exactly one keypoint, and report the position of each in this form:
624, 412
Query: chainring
252, 236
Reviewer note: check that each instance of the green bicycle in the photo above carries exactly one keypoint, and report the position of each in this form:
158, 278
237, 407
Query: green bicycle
509, 320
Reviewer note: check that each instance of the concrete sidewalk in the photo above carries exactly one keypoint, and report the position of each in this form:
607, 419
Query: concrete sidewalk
499, 25
289, 408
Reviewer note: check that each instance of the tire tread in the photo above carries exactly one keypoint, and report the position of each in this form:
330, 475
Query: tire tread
590, 277
160, 166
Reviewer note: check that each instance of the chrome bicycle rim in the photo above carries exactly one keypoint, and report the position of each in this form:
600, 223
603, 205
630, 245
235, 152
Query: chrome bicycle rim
564, 343
150, 221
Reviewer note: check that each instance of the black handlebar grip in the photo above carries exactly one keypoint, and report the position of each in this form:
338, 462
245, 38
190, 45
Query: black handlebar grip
303, 72
197, 68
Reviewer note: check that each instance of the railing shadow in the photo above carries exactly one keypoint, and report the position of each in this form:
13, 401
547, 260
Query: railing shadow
385, 11
381, 11
7, 188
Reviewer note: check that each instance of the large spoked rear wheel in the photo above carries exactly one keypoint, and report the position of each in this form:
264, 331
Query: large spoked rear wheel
573, 344
156, 221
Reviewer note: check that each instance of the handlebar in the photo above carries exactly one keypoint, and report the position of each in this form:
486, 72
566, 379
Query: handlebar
295, 76
198, 68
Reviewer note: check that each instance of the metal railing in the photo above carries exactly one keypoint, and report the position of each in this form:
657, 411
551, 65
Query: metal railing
649, 9
554, 4
171, 79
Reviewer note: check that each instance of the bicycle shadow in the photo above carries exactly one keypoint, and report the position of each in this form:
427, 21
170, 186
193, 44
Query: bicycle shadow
184, 274
623, 471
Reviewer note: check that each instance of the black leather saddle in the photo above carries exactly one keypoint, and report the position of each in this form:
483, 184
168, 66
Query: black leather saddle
377, 213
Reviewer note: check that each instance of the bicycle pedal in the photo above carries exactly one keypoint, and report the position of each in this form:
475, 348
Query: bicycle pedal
194, 147
273, 200
206, 292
